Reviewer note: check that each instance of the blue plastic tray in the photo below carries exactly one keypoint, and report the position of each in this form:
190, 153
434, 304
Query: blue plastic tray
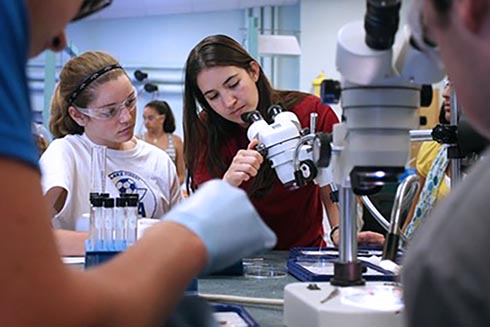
305, 269
240, 310
307, 264
333, 252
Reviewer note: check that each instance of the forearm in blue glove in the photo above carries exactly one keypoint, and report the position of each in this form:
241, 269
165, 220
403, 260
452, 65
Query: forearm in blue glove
226, 221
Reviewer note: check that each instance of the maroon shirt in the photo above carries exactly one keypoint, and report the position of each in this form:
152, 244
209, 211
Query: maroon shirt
295, 216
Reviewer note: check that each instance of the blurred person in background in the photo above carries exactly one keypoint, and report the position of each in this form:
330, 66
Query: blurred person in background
160, 125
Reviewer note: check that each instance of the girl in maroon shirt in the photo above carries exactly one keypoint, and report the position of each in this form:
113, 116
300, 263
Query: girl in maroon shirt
225, 81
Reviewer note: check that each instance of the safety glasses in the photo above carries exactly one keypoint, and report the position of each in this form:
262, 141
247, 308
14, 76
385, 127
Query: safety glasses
90, 7
111, 111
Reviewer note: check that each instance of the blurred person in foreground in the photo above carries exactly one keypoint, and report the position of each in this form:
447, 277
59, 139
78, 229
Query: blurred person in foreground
445, 271
139, 287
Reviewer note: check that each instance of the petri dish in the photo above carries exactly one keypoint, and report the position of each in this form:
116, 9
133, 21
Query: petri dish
263, 270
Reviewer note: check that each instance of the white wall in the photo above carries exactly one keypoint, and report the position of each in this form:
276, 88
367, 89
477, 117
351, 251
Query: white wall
155, 40
159, 42
165, 41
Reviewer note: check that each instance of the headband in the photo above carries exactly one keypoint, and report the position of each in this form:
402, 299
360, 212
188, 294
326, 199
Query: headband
73, 96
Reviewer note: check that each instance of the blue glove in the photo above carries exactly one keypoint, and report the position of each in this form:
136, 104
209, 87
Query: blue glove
222, 216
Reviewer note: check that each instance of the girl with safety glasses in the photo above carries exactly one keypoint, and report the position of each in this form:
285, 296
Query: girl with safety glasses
94, 104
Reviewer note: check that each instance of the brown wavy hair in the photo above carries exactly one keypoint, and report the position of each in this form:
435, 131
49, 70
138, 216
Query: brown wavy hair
73, 73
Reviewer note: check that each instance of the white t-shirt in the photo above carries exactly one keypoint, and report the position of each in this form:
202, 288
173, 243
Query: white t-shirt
145, 169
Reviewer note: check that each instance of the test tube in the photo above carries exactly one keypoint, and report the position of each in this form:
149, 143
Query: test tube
108, 211
131, 219
96, 217
98, 169
119, 224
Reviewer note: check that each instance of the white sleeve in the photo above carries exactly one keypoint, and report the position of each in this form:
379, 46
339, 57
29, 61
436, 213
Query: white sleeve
57, 166
57, 169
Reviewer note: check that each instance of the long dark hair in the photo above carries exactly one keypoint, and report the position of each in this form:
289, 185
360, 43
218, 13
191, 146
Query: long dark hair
163, 108
213, 51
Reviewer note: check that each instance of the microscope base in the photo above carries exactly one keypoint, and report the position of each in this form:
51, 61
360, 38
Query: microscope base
321, 304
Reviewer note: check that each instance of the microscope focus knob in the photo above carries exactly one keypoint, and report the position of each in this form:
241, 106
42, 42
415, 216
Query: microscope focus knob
262, 149
426, 94
306, 172
330, 91
322, 150
445, 134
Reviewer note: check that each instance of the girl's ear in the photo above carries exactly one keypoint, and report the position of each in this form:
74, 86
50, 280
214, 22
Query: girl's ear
78, 117
254, 70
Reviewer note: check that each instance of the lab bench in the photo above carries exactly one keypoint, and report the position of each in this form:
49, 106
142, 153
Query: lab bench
245, 286
265, 315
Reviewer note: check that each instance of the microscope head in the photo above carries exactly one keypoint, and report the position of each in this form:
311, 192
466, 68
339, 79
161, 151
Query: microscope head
381, 99
282, 144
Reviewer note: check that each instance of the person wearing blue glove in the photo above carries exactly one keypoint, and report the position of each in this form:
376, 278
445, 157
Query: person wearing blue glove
140, 287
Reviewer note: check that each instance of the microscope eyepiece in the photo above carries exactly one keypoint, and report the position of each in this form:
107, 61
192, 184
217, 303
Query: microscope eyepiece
274, 110
251, 117
381, 23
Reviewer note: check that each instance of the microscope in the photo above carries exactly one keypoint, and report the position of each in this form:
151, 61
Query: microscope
380, 91
288, 148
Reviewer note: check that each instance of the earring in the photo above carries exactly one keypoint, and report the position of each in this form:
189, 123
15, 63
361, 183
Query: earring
56, 42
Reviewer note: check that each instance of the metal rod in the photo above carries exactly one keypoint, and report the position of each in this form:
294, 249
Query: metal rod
455, 172
421, 135
347, 226
313, 119
455, 163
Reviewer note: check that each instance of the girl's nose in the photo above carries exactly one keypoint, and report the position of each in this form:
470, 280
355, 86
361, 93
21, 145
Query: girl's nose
229, 99
125, 115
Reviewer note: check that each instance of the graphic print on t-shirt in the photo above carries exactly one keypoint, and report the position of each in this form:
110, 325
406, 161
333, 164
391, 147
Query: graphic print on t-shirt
127, 182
